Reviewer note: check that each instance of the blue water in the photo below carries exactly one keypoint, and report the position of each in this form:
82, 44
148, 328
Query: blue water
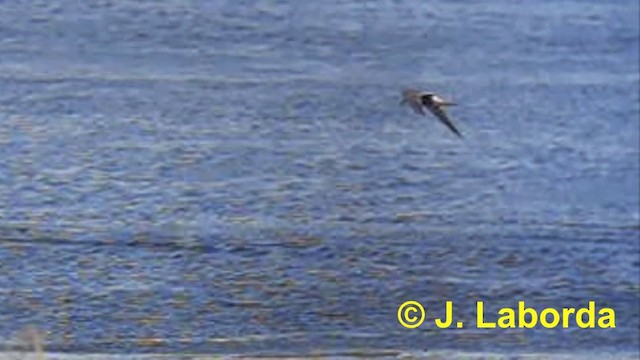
238, 177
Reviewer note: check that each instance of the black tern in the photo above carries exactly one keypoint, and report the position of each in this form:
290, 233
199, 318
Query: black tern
418, 100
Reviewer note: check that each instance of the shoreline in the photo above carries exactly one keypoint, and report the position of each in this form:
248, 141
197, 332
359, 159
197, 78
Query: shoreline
355, 354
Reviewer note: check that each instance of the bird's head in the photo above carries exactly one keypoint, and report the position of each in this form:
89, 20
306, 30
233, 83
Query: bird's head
431, 99
428, 98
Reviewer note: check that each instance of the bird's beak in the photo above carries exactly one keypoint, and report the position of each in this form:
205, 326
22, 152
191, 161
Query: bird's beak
403, 101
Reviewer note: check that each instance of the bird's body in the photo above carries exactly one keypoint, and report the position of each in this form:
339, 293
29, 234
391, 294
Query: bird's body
419, 100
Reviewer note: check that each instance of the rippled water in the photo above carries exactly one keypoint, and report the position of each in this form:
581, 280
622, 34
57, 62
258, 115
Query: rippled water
237, 177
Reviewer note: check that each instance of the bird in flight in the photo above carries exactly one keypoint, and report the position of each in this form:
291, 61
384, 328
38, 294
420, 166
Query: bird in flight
418, 100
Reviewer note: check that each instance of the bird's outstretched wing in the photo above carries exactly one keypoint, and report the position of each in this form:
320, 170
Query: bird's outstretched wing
444, 118
412, 98
416, 106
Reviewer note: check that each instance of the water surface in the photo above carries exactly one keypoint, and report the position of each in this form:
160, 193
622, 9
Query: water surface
238, 178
